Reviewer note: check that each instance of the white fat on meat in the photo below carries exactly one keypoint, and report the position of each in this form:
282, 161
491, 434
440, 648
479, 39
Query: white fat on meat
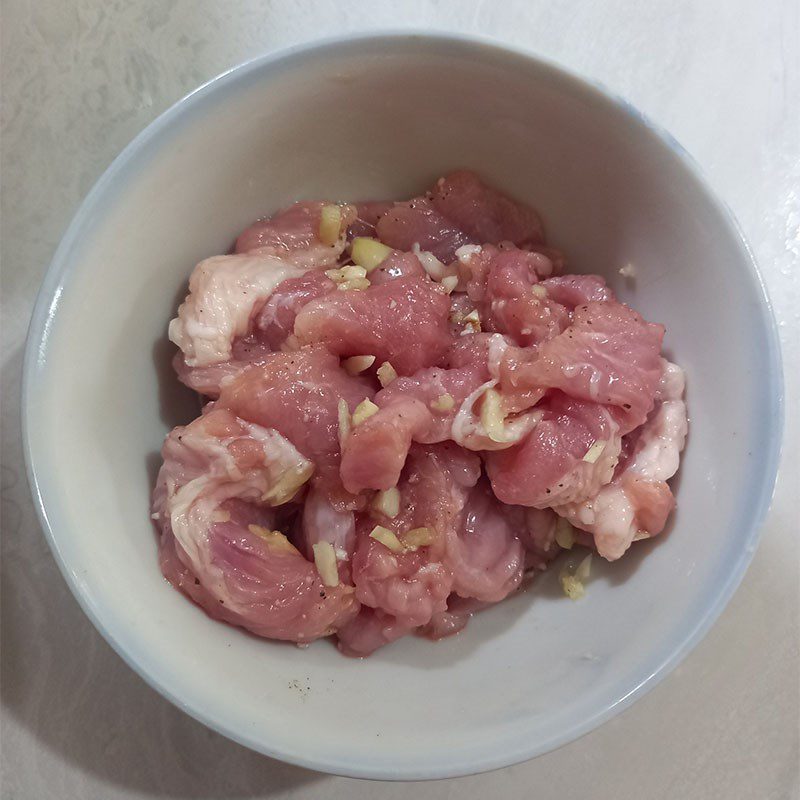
470, 429
223, 291
469, 425
200, 474
613, 515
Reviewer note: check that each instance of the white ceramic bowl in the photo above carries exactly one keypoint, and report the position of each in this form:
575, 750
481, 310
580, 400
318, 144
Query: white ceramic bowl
381, 116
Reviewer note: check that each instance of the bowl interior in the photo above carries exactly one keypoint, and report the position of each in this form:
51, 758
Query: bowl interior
372, 118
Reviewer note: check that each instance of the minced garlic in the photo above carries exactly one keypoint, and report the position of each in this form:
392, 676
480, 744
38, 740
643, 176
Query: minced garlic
492, 417
349, 277
387, 502
386, 374
387, 538
344, 421
417, 537
287, 486
274, 539
573, 584
449, 283
443, 403
330, 224
565, 534
356, 364
594, 452
368, 253
365, 409
325, 561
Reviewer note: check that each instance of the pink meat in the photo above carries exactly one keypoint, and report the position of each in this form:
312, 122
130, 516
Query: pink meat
484, 552
547, 469
536, 529
375, 451
471, 351
638, 501
484, 213
501, 286
578, 290
404, 321
210, 490
367, 216
294, 234
454, 618
608, 355
417, 222
368, 631
208, 380
271, 324
275, 320
298, 395
397, 265
413, 585
323, 522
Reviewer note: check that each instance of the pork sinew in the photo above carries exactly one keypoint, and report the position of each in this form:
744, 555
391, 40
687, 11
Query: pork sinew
409, 407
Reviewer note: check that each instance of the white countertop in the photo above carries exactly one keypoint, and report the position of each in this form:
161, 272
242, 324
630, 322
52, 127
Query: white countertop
82, 77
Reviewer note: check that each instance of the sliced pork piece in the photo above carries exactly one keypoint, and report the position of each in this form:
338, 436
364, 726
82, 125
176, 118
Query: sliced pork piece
367, 216
484, 552
208, 380
298, 395
608, 355
411, 586
638, 500
370, 630
454, 618
567, 457
219, 475
274, 323
484, 213
223, 292
300, 234
403, 321
536, 529
412, 583
504, 286
418, 222
577, 290
323, 522
269, 327
418, 409
397, 265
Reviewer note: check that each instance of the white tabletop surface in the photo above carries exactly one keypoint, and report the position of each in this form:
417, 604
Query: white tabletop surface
82, 77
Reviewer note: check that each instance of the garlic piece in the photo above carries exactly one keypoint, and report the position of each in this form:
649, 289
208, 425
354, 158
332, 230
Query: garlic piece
594, 452
417, 537
387, 502
365, 409
325, 561
287, 486
443, 403
344, 421
368, 253
449, 283
492, 417
356, 364
386, 374
274, 539
330, 224
387, 538
565, 534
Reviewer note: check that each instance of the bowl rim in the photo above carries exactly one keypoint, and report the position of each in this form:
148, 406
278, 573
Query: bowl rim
46, 306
